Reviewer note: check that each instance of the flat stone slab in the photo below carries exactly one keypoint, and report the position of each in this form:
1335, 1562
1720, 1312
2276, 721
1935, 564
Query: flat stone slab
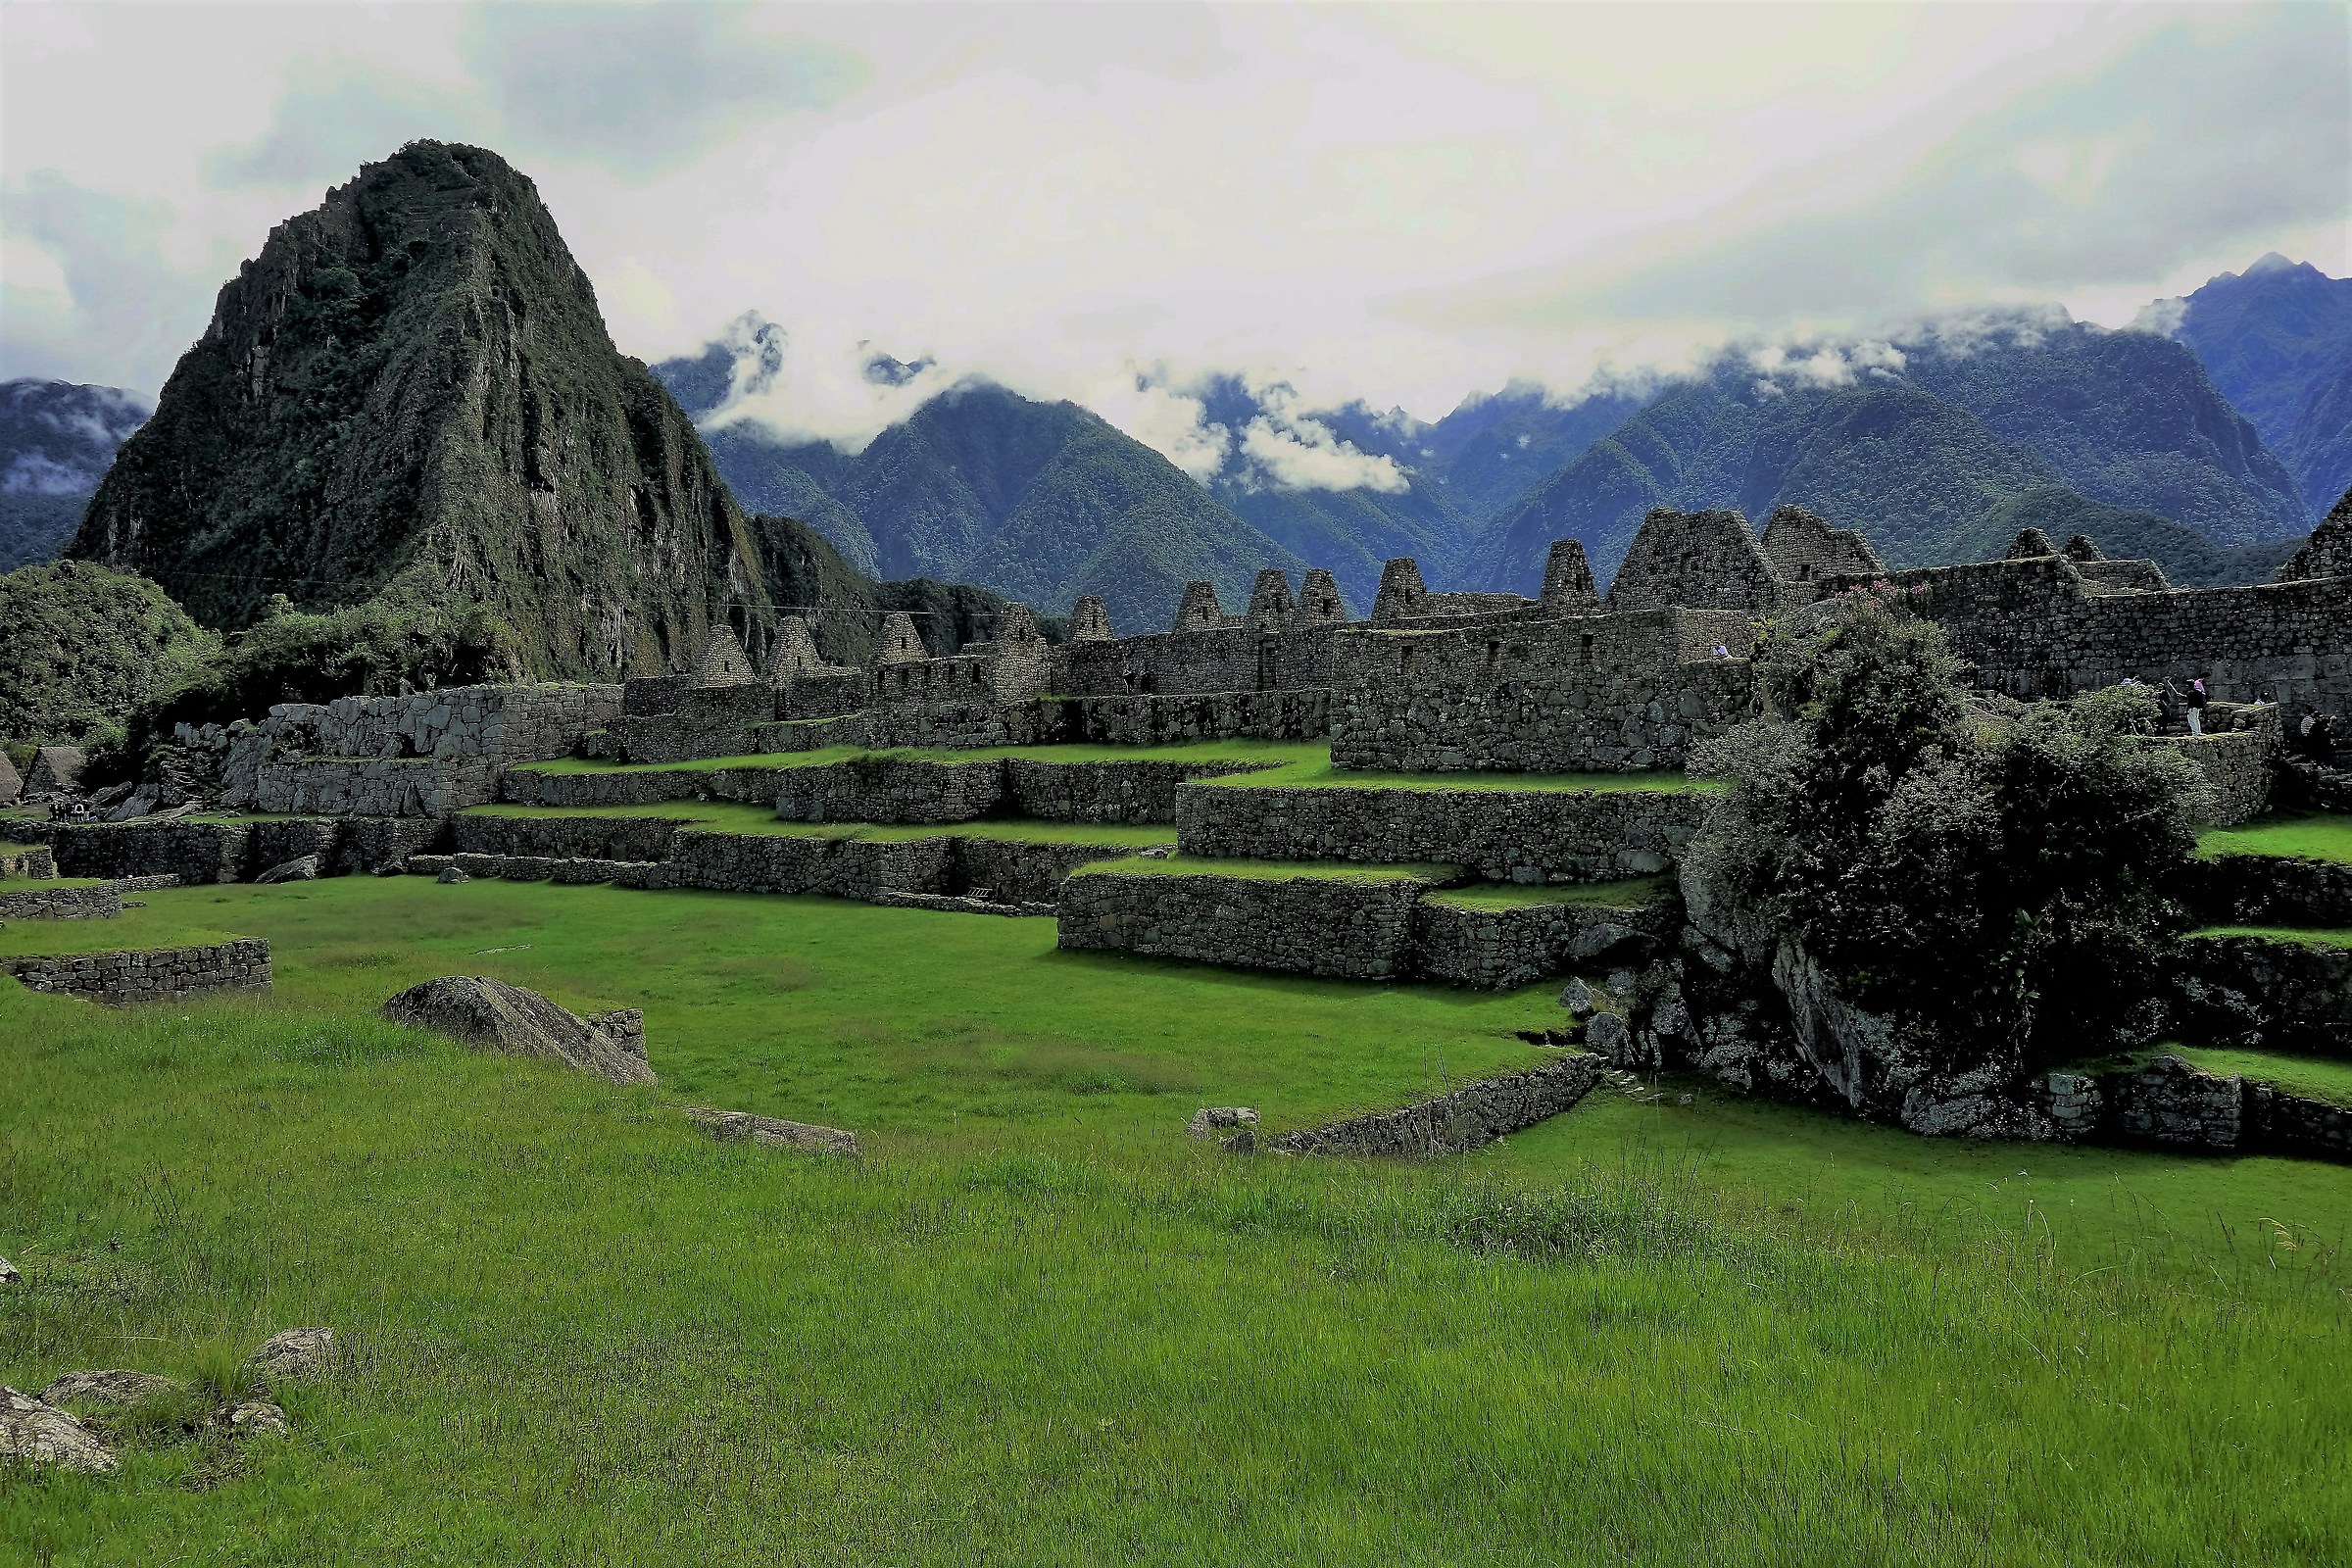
735, 1126
39, 1433
118, 1386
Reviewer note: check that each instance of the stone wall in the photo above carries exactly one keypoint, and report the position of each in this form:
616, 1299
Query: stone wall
1696, 560
28, 860
1604, 693
524, 785
373, 787
570, 838
1135, 791
2295, 996
1475, 1115
2170, 1102
1499, 835
194, 852
888, 789
958, 726
153, 975
1011, 871
1304, 926
2270, 890
1494, 948
775, 862
2034, 629
1150, 720
1239, 656
62, 904
2237, 768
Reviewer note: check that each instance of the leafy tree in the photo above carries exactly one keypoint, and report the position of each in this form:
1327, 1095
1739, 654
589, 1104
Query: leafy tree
1989, 875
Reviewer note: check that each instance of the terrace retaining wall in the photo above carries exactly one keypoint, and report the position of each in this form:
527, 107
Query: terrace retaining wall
375, 786
2295, 996
569, 838
1503, 835
151, 974
524, 785
1120, 791
101, 903
2172, 1102
1494, 949
889, 790
2237, 768
2271, 890
1302, 925
1466, 1118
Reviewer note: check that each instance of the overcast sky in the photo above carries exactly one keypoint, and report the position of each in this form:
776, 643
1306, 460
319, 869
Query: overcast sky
1109, 201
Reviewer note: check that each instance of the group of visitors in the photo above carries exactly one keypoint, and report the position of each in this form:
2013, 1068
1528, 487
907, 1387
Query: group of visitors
74, 808
2175, 701
2311, 735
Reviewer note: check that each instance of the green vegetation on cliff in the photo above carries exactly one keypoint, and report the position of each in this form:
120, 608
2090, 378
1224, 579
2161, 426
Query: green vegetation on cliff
80, 645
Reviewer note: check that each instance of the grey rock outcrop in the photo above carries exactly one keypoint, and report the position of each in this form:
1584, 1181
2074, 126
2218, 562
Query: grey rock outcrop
301, 869
39, 1433
116, 1386
451, 875
9, 1274
741, 1126
255, 1416
290, 1354
1211, 1121
491, 1013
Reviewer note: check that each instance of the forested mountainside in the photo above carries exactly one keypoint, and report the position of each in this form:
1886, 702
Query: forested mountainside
1916, 455
2189, 559
2277, 339
55, 440
410, 394
1044, 502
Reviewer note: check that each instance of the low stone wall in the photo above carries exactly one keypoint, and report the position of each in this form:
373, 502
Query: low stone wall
151, 974
2237, 770
375, 786
2270, 890
1468, 1117
524, 785
2295, 996
890, 788
956, 726
1141, 720
568, 838
1015, 873
2169, 1102
1302, 925
1138, 791
194, 852
28, 860
776, 862
691, 737
1503, 835
1494, 948
101, 903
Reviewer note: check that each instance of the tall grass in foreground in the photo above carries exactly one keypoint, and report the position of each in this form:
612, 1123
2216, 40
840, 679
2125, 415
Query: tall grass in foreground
583, 1333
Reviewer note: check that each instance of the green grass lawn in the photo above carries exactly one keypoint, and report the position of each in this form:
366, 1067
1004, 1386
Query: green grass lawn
733, 817
35, 884
1317, 773
2313, 935
2304, 835
1628, 893
1036, 1324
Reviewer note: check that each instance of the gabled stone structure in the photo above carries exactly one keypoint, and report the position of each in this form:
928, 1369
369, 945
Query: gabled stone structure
2327, 552
1568, 580
54, 768
1696, 560
10, 784
1198, 611
2031, 544
1090, 622
1270, 603
1802, 548
1319, 601
723, 663
899, 643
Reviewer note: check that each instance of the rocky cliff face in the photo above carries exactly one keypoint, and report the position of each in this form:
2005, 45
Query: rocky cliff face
411, 395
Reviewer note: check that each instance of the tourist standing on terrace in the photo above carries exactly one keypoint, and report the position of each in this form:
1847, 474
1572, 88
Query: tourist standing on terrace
2196, 706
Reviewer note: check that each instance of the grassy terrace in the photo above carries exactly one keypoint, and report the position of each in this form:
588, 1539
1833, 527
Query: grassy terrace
1269, 752
2304, 835
1317, 773
1630, 893
2313, 934
33, 884
1278, 871
2330, 1081
733, 817
1036, 1324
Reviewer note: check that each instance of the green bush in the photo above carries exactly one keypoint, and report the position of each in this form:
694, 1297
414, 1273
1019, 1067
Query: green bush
1990, 872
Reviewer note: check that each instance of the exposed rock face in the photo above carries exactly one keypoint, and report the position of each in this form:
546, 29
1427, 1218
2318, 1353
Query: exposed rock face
410, 392
293, 1353
740, 1126
491, 1013
38, 1432
301, 869
118, 1386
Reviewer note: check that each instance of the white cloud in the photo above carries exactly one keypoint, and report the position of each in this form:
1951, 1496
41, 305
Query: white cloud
1113, 204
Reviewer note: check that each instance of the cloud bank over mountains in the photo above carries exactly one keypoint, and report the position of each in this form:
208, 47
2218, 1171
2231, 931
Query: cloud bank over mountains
1122, 205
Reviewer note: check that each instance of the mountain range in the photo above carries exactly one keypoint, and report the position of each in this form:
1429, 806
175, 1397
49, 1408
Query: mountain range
409, 399
55, 440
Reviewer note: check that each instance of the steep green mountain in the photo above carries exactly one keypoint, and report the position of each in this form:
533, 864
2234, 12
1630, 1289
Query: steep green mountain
80, 645
2277, 340
1909, 469
409, 395
2189, 559
55, 440
1495, 447
2127, 417
1041, 501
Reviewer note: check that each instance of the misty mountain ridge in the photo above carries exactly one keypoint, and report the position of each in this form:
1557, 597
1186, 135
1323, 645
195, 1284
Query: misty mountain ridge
2277, 339
56, 440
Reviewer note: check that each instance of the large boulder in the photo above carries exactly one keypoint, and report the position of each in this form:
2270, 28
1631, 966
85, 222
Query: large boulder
741, 1126
114, 1386
37, 1432
491, 1013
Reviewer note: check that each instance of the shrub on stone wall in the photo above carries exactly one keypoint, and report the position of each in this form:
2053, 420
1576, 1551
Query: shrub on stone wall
1985, 879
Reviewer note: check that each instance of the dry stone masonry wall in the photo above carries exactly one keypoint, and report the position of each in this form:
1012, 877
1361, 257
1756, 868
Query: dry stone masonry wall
1467, 1118
154, 974
1358, 930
